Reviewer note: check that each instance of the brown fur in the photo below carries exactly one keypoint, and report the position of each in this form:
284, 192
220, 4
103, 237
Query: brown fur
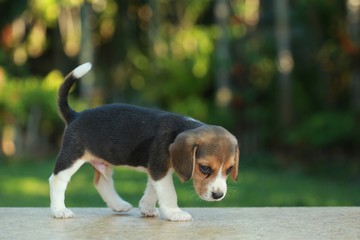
209, 145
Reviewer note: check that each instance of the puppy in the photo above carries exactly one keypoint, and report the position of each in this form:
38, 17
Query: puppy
150, 140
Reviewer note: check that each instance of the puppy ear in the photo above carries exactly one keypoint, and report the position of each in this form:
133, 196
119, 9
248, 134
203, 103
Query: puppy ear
235, 172
182, 156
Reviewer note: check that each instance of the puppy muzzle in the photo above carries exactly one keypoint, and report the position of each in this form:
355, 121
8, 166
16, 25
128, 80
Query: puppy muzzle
211, 196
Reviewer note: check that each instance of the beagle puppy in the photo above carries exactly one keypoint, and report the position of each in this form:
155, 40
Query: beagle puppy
150, 140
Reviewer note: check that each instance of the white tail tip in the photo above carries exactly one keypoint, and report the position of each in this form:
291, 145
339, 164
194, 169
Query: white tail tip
82, 70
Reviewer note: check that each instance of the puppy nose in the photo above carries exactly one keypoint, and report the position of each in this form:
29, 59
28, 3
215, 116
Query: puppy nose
217, 195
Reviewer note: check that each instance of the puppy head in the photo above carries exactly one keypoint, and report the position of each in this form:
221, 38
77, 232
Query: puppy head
207, 154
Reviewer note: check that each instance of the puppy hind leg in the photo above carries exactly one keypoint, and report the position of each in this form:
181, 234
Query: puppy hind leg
58, 183
148, 201
104, 184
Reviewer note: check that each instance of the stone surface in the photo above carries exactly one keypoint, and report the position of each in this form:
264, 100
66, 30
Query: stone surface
209, 223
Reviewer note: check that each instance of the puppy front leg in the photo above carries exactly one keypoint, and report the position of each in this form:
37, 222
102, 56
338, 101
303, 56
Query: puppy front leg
166, 194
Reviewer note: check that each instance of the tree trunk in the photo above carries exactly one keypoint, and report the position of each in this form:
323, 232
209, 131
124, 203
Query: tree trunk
353, 21
18, 140
2, 157
87, 53
32, 137
222, 52
154, 26
284, 59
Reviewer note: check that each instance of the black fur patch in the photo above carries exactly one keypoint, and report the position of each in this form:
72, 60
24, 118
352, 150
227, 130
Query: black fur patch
123, 135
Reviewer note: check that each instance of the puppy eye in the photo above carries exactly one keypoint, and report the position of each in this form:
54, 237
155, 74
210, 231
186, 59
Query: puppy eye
229, 170
205, 169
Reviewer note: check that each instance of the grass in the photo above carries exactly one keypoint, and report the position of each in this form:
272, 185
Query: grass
26, 185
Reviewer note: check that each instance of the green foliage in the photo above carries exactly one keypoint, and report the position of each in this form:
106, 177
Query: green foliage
165, 54
182, 71
19, 96
325, 129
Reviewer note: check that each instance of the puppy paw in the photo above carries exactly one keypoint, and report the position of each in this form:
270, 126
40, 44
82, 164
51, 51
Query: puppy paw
62, 213
148, 211
120, 206
176, 215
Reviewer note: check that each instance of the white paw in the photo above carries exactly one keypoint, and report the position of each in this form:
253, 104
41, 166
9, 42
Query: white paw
176, 215
62, 213
148, 211
120, 206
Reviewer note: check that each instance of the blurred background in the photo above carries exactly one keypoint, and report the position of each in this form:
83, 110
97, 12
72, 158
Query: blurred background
282, 75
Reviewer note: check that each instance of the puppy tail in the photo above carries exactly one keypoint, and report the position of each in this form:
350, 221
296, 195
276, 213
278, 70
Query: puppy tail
67, 113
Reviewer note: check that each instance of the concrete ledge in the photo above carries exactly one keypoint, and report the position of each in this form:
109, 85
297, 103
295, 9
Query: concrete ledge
209, 223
